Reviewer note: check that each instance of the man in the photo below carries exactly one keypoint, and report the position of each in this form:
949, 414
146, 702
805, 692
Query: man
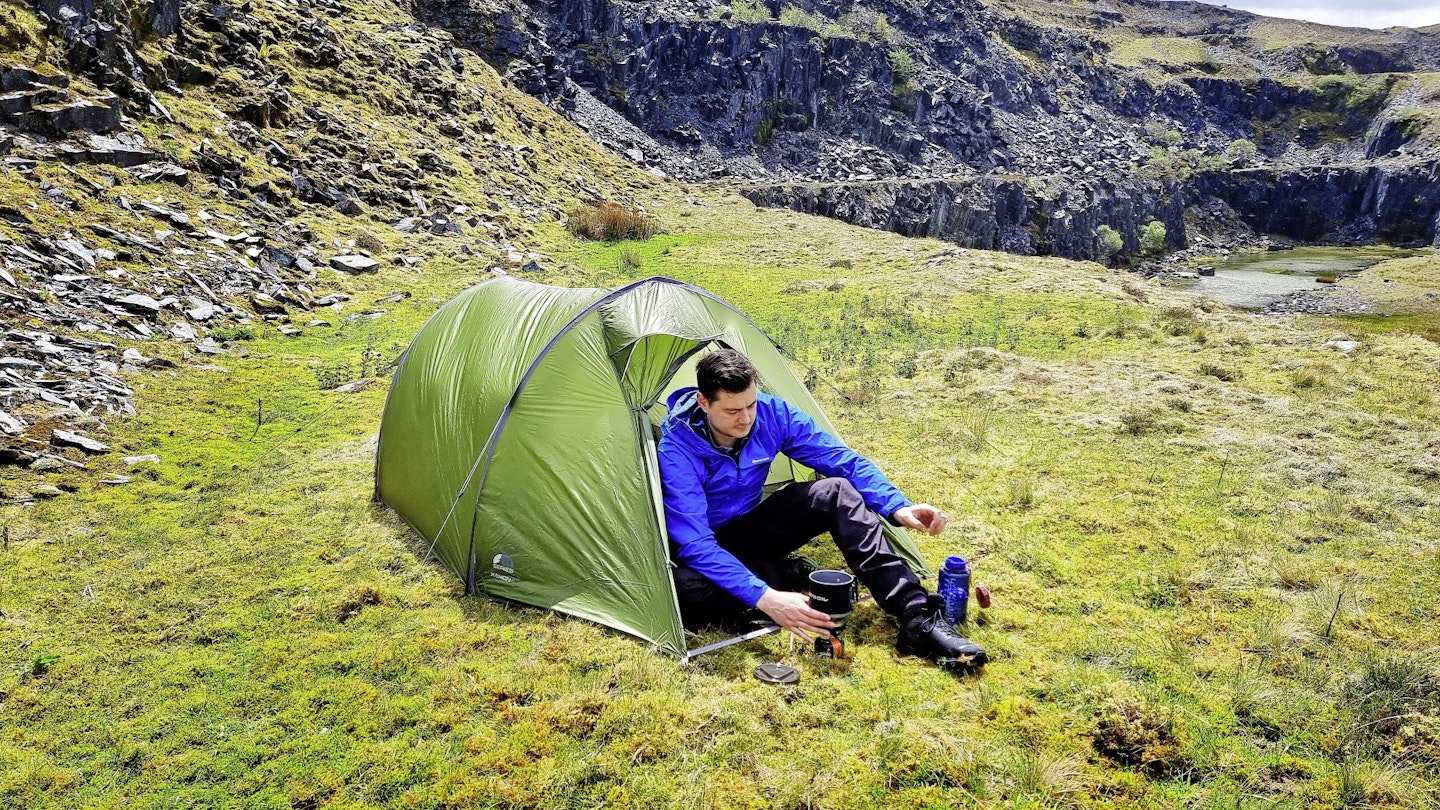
731, 547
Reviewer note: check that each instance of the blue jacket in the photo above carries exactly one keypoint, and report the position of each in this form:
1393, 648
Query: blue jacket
705, 488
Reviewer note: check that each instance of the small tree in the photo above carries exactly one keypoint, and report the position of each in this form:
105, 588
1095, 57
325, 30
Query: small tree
1241, 152
1109, 243
902, 64
1152, 238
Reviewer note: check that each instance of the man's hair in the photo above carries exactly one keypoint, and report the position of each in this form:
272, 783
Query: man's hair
727, 369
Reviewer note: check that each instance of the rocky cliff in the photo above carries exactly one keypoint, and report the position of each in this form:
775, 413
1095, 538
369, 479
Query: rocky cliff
1009, 125
178, 178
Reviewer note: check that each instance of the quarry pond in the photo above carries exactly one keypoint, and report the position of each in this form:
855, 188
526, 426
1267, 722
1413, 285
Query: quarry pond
1257, 280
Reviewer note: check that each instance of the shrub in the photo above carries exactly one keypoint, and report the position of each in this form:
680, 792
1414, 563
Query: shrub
1162, 135
610, 222
902, 64
749, 11
799, 17
1108, 243
1152, 238
1241, 152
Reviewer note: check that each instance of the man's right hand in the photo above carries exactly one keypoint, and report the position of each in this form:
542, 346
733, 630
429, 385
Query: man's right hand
792, 611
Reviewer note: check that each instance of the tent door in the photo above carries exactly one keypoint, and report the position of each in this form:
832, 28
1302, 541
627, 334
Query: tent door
647, 364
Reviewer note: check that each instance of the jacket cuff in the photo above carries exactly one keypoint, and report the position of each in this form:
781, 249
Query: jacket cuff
753, 592
891, 506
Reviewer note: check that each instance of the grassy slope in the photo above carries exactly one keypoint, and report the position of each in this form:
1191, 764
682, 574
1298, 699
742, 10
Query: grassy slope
1211, 537
1165, 546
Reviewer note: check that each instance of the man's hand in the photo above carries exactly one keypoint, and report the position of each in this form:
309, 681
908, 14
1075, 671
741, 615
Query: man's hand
921, 517
792, 611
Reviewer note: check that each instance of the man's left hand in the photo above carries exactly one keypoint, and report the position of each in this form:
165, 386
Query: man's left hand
921, 517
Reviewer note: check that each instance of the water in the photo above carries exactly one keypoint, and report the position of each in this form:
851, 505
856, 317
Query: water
1256, 280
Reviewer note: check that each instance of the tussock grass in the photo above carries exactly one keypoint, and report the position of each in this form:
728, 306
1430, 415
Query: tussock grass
610, 222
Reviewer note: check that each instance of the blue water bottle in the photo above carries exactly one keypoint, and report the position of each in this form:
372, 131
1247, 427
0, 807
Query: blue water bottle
955, 588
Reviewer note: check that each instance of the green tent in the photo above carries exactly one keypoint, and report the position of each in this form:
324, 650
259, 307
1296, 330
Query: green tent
519, 440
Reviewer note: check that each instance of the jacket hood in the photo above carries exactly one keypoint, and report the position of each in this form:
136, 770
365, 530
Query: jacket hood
683, 406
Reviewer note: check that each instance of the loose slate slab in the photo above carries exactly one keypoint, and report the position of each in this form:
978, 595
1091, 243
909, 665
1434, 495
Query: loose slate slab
139, 302
354, 264
64, 438
10, 425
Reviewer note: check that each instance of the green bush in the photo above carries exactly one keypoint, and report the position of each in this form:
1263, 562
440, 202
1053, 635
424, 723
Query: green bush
902, 64
1152, 238
1241, 152
1161, 135
800, 18
1108, 243
749, 11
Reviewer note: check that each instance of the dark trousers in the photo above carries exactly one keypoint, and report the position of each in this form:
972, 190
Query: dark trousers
763, 537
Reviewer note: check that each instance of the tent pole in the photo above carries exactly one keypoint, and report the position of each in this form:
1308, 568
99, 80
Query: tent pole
759, 632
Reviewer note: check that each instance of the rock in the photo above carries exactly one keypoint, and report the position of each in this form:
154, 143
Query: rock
47, 491
134, 357
47, 464
10, 425
288, 331
151, 172
149, 458
122, 150
78, 249
116, 480
265, 303
139, 302
354, 264
64, 438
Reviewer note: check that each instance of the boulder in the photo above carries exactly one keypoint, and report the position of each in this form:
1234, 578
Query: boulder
65, 438
354, 263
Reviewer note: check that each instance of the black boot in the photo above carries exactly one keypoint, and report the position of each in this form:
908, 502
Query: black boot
925, 632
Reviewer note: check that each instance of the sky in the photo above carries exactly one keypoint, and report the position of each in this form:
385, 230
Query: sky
1358, 13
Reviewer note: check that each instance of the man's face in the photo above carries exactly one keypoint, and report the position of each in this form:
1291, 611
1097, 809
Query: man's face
731, 415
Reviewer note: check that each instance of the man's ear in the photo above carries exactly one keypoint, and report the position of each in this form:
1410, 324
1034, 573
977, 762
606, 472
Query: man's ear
704, 403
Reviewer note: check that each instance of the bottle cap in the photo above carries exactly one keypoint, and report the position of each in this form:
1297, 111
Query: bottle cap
955, 563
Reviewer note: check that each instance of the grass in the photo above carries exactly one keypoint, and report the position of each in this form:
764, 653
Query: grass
1172, 51
610, 222
1208, 536
255, 627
